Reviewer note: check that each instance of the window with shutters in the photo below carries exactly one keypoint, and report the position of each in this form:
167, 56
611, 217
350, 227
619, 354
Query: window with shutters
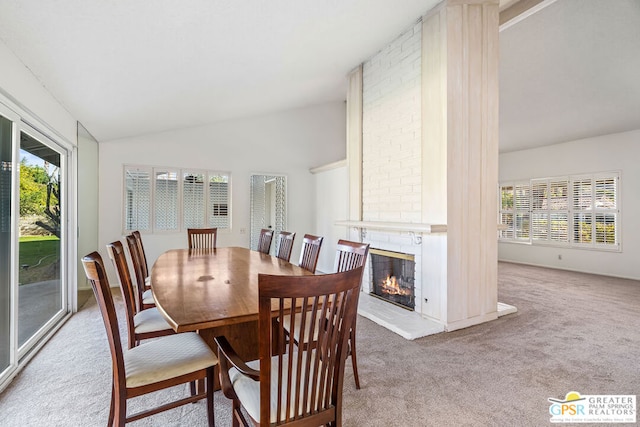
515, 215
550, 210
595, 210
219, 200
577, 211
193, 200
137, 198
170, 200
166, 200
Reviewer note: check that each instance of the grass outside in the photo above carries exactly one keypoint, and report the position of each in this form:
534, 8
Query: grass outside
39, 259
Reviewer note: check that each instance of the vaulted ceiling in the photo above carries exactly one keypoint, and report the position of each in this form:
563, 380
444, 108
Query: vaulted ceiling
126, 68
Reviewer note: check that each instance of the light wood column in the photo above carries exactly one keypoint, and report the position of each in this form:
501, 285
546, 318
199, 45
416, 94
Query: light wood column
460, 153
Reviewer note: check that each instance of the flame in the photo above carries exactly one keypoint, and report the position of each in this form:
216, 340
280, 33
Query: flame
391, 286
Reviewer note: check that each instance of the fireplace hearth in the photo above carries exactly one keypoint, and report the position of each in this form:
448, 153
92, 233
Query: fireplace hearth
393, 277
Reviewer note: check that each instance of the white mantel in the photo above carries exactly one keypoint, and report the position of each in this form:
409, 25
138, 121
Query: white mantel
396, 226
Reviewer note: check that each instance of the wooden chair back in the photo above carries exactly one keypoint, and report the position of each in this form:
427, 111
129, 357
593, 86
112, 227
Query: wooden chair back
350, 255
202, 238
144, 266
310, 381
264, 243
285, 245
310, 251
136, 263
94, 269
117, 255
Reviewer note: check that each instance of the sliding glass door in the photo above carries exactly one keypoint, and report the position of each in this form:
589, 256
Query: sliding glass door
34, 288
40, 292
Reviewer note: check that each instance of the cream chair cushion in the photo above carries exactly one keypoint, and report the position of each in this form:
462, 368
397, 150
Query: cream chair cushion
149, 320
147, 297
167, 357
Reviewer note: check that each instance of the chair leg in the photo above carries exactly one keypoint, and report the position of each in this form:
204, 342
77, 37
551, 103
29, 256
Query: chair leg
111, 406
210, 384
354, 361
120, 411
235, 409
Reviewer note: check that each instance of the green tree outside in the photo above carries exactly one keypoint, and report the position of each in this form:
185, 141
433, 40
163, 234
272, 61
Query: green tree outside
33, 188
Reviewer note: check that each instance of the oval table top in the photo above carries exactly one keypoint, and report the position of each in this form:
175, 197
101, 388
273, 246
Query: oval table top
199, 289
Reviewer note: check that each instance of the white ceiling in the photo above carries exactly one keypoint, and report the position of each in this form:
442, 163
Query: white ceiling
570, 71
125, 68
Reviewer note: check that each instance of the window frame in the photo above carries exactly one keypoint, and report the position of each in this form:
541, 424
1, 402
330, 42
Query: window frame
179, 215
518, 234
610, 214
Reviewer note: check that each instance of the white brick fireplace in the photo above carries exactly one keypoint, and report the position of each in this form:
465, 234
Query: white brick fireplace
406, 239
422, 160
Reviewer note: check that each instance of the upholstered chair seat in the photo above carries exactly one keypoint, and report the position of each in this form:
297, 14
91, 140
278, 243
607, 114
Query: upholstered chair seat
149, 320
166, 358
248, 390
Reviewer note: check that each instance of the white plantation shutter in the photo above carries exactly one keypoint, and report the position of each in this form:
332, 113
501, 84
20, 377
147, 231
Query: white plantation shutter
193, 200
559, 210
522, 204
549, 210
166, 199
539, 210
169, 199
137, 203
605, 208
219, 200
582, 210
506, 212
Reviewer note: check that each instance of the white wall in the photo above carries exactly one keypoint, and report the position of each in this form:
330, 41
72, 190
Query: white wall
88, 214
21, 86
287, 143
332, 204
616, 152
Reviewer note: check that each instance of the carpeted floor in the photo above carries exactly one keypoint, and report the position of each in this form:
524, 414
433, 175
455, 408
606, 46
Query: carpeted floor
572, 332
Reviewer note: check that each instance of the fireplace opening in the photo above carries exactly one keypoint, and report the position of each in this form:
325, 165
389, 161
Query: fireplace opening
393, 276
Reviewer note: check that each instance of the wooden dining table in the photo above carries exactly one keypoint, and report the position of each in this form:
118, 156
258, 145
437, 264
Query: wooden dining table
215, 292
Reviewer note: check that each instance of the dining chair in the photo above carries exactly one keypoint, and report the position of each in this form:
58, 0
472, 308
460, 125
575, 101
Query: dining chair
144, 298
285, 245
350, 255
202, 238
298, 387
310, 251
141, 324
155, 365
144, 265
264, 242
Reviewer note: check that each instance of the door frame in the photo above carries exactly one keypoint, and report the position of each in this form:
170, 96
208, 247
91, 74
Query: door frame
24, 120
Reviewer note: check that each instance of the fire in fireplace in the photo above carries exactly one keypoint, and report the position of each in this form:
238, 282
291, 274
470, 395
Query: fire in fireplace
393, 276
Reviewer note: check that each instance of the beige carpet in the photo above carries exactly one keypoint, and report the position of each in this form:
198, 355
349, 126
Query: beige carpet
572, 332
